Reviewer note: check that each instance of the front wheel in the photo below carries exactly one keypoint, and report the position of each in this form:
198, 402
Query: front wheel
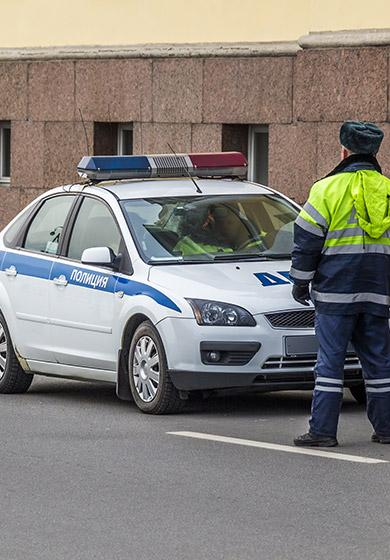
359, 393
13, 378
150, 384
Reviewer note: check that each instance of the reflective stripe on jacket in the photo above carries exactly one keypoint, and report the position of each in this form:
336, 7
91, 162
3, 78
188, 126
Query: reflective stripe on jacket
342, 241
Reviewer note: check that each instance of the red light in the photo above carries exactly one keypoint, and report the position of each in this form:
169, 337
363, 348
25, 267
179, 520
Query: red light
221, 159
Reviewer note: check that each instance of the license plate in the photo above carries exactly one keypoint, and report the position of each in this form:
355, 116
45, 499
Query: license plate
304, 345
301, 345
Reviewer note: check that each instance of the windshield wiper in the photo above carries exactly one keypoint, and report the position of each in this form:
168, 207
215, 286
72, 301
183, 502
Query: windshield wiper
277, 256
240, 256
164, 260
206, 258
251, 256
179, 260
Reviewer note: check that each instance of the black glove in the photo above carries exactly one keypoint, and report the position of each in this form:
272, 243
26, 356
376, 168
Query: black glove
301, 294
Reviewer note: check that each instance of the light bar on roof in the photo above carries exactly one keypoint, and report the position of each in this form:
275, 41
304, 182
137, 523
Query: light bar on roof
220, 164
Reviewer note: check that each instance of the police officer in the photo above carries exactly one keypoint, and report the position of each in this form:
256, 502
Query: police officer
197, 232
342, 247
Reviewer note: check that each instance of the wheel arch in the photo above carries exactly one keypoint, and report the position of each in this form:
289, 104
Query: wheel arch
8, 314
122, 384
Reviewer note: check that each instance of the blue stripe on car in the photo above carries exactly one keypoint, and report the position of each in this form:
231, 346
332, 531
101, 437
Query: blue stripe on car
48, 269
27, 265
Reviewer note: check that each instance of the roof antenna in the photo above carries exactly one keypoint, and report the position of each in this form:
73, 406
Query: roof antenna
188, 173
140, 125
85, 131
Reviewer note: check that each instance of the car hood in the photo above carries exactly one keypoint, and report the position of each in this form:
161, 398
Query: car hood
256, 286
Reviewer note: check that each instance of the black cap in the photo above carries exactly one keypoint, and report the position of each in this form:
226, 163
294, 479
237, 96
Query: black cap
361, 137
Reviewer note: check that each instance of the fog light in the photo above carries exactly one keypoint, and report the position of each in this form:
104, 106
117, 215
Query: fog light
213, 356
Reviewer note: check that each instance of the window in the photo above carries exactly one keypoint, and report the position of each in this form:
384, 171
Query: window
45, 230
208, 228
5, 151
235, 138
13, 233
252, 141
112, 139
105, 138
258, 154
94, 227
125, 139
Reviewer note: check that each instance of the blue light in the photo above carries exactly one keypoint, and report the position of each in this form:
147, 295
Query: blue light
101, 168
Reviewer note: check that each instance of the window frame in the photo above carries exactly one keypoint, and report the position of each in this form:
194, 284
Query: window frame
125, 267
252, 131
122, 127
21, 237
4, 125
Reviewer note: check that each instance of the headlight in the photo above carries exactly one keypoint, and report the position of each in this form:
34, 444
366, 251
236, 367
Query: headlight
219, 314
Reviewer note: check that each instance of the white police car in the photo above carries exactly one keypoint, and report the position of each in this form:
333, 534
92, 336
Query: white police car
155, 280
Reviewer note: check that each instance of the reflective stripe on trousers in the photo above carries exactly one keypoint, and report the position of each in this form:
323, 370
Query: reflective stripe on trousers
370, 336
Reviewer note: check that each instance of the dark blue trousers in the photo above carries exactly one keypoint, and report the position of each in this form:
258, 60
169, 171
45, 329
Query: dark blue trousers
370, 336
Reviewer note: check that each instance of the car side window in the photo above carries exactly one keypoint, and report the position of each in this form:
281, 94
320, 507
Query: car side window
11, 236
94, 227
45, 230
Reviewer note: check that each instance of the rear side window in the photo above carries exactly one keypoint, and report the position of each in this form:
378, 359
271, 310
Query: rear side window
13, 233
45, 230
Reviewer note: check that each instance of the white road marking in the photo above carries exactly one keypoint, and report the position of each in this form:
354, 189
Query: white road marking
278, 447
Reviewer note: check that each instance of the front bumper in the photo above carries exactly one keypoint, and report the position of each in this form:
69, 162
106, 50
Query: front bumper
202, 381
268, 369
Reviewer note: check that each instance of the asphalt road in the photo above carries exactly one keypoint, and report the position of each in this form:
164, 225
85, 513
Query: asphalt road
85, 476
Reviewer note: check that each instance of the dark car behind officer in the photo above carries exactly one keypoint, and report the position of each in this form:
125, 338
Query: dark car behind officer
342, 247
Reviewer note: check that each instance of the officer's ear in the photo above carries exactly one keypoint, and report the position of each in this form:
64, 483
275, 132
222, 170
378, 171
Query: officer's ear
344, 152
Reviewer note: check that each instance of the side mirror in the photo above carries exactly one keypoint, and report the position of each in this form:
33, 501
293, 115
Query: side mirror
101, 256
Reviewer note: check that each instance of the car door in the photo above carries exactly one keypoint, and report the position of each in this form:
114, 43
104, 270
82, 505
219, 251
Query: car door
26, 271
82, 296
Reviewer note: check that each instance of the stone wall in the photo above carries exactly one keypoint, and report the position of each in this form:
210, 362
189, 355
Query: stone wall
185, 102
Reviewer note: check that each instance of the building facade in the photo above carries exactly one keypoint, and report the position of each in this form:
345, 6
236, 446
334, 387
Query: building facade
277, 98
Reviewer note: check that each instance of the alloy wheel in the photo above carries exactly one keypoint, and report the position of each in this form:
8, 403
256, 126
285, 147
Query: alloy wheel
3, 351
146, 368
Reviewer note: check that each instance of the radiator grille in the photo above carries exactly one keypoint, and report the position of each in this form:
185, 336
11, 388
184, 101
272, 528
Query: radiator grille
292, 319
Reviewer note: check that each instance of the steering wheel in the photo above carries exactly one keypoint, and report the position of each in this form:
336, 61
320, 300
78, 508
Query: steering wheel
259, 245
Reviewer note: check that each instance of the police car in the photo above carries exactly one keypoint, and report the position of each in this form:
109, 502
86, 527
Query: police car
163, 274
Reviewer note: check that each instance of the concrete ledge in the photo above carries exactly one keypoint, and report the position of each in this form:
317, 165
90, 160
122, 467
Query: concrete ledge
354, 38
320, 39
282, 48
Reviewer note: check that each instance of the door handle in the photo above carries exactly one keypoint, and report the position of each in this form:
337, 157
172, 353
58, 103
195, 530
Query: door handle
60, 281
11, 271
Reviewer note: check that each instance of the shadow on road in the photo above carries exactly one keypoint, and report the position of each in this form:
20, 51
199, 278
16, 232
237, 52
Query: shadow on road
235, 404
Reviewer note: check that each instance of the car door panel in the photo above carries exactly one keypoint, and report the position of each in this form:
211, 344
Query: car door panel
81, 315
25, 278
25, 274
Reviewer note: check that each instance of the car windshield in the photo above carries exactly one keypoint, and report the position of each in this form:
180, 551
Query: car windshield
211, 228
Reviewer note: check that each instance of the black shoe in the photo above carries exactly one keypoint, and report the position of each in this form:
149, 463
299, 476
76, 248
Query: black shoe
379, 439
314, 440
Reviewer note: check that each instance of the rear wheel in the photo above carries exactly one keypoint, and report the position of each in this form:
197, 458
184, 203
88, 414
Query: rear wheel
359, 393
13, 379
150, 384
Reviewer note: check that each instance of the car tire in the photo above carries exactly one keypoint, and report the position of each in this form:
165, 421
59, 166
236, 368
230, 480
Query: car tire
150, 384
359, 393
13, 378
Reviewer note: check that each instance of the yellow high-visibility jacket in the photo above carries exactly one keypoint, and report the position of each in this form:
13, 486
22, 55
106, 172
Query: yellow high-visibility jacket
342, 240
